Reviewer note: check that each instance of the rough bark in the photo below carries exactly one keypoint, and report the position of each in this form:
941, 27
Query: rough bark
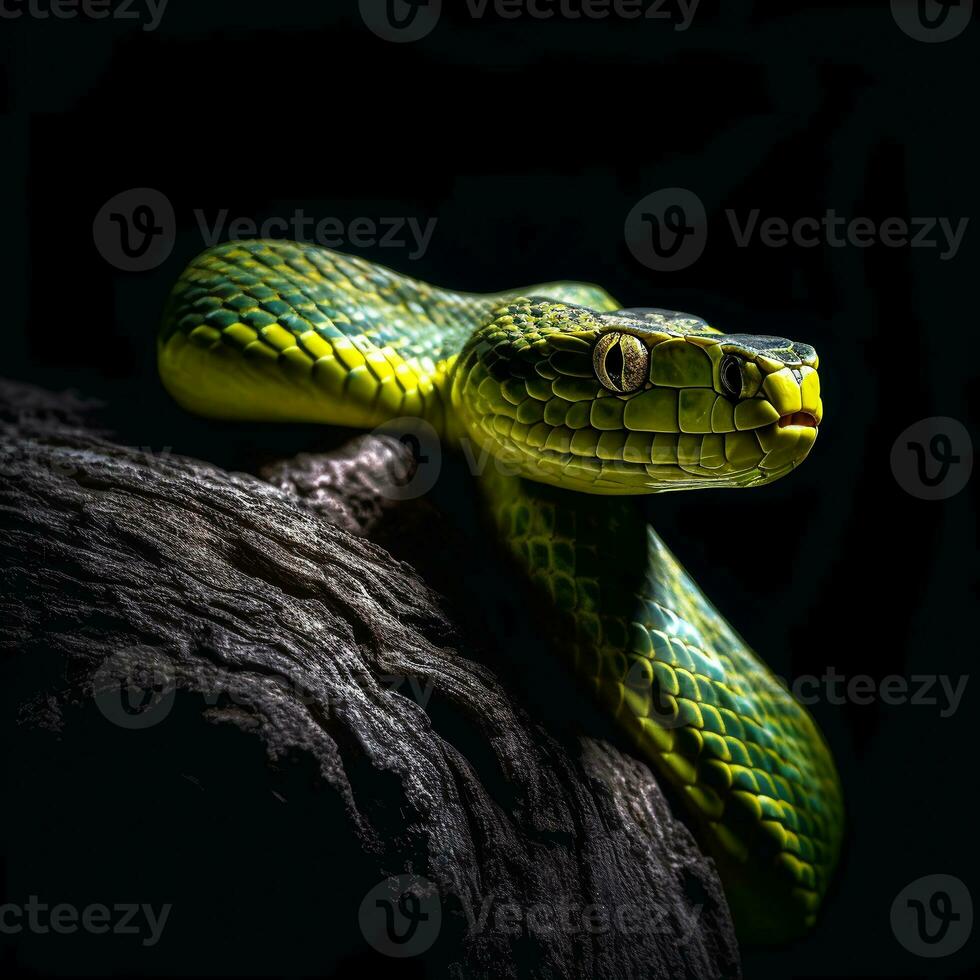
394, 743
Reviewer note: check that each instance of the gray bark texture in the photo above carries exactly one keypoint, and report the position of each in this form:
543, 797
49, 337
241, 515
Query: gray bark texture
273, 702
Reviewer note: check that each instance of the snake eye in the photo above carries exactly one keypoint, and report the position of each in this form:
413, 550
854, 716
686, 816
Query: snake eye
730, 375
621, 362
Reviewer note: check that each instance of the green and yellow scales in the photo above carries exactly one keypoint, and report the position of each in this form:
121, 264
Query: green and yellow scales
579, 403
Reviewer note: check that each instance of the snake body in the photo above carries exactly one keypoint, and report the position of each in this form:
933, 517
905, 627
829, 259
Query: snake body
578, 404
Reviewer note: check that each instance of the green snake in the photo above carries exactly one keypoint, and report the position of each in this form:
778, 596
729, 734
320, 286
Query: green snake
576, 403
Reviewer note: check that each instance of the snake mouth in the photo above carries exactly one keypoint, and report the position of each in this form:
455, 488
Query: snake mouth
804, 419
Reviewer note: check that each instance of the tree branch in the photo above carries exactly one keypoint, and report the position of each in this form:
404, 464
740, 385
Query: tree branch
268, 609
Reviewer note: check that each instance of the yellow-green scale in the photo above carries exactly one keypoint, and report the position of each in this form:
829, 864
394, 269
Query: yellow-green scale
276, 330
743, 754
273, 330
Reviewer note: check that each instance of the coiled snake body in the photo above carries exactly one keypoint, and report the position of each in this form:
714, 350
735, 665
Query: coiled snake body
577, 400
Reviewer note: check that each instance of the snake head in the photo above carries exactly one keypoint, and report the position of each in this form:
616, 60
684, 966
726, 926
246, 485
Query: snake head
634, 401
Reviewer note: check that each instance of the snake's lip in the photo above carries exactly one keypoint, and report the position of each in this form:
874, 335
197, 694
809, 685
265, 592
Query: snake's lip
805, 419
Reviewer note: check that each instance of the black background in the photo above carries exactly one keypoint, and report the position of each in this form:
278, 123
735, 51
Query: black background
529, 141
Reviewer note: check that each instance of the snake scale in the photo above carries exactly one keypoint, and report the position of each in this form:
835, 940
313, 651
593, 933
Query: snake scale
580, 404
